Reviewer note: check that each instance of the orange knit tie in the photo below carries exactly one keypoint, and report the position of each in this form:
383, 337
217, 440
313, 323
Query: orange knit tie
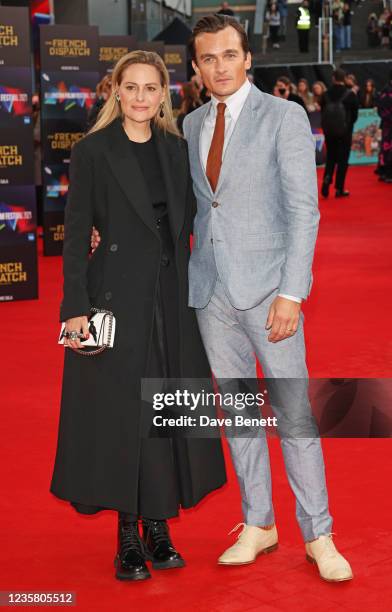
214, 160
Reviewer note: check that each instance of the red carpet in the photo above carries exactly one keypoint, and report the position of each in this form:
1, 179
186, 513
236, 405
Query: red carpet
46, 546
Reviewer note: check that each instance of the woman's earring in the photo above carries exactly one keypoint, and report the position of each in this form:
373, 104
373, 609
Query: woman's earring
117, 98
161, 112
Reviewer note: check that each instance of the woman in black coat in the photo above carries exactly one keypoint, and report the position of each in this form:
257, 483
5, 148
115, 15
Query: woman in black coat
130, 179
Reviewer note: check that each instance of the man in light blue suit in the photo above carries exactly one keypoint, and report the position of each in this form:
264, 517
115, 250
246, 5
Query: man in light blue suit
252, 161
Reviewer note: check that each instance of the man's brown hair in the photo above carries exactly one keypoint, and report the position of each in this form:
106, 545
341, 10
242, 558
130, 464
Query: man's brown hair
212, 24
285, 80
339, 75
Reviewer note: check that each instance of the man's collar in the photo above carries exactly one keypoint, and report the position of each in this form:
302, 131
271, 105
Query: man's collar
236, 101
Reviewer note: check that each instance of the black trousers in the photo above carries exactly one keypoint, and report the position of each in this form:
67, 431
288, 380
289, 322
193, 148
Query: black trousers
338, 152
303, 40
274, 34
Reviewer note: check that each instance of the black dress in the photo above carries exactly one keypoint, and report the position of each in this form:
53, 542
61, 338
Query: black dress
164, 355
158, 463
158, 456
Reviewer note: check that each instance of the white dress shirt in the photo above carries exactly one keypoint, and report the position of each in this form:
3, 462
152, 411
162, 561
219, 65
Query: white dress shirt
234, 105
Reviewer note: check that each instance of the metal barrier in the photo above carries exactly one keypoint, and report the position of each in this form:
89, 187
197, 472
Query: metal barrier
325, 41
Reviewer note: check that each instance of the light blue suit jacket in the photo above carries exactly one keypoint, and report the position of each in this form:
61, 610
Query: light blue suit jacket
260, 238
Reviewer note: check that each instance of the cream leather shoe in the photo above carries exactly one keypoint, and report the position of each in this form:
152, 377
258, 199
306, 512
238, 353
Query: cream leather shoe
252, 541
332, 566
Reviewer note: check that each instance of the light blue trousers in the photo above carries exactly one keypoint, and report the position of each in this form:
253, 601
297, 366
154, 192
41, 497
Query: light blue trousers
232, 338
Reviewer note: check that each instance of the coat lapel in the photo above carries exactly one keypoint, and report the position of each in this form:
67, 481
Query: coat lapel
125, 168
174, 167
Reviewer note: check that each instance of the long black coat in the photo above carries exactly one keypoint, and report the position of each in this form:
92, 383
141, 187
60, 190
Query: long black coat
98, 453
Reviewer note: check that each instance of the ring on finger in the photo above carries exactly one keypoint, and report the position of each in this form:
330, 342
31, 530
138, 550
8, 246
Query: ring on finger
73, 335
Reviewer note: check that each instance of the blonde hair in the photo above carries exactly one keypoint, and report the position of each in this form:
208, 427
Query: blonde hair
112, 108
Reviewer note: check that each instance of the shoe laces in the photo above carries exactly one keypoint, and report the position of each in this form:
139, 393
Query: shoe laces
236, 529
130, 538
159, 530
329, 547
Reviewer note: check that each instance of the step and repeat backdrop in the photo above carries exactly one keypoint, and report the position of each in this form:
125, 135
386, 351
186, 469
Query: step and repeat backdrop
69, 75
73, 61
366, 141
18, 242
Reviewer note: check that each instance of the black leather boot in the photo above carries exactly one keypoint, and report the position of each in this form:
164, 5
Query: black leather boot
130, 561
341, 193
325, 187
160, 549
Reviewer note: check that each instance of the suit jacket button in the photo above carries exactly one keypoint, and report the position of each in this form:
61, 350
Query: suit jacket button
215, 204
113, 247
108, 296
212, 241
164, 260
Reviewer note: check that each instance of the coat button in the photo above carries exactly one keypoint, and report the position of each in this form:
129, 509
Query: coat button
113, 247
108, 296
212, 241
164, 260
215, 204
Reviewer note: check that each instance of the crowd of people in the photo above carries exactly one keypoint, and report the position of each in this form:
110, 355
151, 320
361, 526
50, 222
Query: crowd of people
344, 91
379, 26
309, 96
379, 29
275, 24
307, 16
341, 17
274, 31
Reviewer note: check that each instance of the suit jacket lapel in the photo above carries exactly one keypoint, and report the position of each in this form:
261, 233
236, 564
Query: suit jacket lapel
198, 131
238, 139
175, 173
125, 168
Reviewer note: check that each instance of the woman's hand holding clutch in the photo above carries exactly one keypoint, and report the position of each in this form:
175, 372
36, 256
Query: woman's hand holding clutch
76, 329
